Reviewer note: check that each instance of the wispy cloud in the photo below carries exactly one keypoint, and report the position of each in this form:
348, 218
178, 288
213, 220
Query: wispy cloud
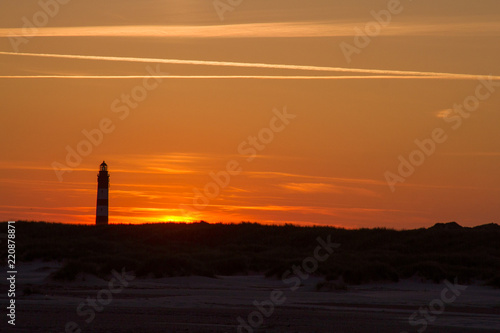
274, 174
260, 30
328, 188
331, 211
311, 187
135, 194
443, 113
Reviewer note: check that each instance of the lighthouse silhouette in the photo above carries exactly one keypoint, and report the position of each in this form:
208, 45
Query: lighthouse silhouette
101, 214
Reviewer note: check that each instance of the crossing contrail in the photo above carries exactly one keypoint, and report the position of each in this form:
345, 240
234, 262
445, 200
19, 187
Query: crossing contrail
256, 65
257, 77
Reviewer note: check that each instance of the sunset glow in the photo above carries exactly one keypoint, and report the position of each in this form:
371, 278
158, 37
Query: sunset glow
261, 117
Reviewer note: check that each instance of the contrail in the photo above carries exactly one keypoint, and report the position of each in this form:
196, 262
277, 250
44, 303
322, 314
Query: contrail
254, 65
261, 77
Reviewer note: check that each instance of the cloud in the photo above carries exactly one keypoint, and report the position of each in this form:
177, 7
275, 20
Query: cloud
272, 174
443, 113
260, 30
136, 194
170, 170
328, 211
311, 187
328, 188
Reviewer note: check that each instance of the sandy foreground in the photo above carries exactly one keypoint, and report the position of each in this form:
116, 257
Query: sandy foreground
201, 304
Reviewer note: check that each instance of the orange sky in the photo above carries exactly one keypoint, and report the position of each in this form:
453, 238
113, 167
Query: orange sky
326, 164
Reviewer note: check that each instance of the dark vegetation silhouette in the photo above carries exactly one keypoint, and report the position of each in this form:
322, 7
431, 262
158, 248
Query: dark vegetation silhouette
445, 251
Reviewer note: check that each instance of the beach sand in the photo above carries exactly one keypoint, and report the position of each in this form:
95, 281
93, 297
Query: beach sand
202, 304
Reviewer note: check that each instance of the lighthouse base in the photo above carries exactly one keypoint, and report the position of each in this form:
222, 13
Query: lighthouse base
101, 220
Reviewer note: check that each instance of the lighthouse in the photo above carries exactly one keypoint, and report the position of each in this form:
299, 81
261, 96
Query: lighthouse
101, 214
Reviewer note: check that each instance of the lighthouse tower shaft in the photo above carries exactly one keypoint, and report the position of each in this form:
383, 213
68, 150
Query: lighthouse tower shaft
101, 215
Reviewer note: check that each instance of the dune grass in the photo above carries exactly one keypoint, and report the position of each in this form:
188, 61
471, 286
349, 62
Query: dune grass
178, 249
